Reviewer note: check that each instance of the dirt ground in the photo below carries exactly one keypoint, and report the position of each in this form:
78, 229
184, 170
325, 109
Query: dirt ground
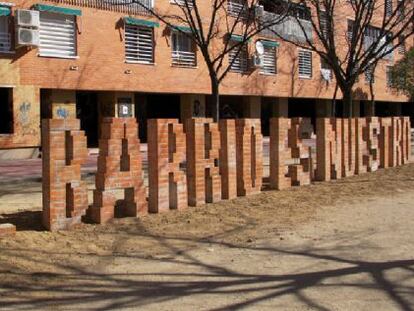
343, 245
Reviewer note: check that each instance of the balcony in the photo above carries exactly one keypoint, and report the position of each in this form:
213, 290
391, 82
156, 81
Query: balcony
183, 59
123, 6
288, 29
5, 42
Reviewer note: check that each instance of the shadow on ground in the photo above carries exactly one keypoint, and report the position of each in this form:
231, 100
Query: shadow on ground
76, 287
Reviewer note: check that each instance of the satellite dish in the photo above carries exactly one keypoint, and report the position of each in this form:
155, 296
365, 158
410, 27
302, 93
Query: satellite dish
259, 48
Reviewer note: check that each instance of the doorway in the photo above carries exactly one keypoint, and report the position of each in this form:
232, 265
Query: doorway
88, 113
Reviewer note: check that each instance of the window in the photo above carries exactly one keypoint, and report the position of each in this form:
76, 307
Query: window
350, 29
388, 7
5, 37
369, 75
401, 4
276, 7
239, 62
323, 20
401, 48
305, 64
269, 60
237, 8
139, 44
183, 51
6, 110
326, 71
301, 11
383, 40
57, 35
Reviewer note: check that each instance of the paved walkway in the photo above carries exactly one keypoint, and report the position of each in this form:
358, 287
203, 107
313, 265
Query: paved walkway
31, 169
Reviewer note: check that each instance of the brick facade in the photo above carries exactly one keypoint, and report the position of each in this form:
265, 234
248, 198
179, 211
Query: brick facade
166, 156
119, 167
65, 197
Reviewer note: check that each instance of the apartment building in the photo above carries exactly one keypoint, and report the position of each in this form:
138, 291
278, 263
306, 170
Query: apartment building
90, 59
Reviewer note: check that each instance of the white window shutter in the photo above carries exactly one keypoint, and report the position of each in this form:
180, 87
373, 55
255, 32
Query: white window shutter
305, 64
139, 44
57, 35
5, 37
240, 61
269, 61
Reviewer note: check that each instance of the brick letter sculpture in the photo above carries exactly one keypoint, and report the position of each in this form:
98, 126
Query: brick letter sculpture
228, 168
328, 147
203, 175
406, 139
361, 150
371, 137
249, 155
384, 142
119, 167
65, 196
166, 151
290, 160
348, 147
396, 138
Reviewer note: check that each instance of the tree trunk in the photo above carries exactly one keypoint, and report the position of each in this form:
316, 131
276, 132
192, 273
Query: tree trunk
216, 97
347, 103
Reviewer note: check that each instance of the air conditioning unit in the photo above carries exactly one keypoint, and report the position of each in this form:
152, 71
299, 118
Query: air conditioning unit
258, 11
28, 18
257, 61
27, 37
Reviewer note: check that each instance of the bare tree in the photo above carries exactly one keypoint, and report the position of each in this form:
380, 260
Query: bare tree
352, 36
221, 33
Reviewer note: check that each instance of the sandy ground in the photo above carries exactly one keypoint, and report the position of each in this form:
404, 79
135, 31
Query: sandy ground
344, 245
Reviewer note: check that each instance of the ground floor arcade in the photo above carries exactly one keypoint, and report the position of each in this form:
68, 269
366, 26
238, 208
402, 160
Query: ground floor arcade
22, 108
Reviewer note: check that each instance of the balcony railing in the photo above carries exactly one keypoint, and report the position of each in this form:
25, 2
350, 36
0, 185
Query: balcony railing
5, 42
123, 6
183, 59
289, 28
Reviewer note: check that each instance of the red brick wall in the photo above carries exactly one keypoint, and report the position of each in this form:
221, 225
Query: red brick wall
101, 65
